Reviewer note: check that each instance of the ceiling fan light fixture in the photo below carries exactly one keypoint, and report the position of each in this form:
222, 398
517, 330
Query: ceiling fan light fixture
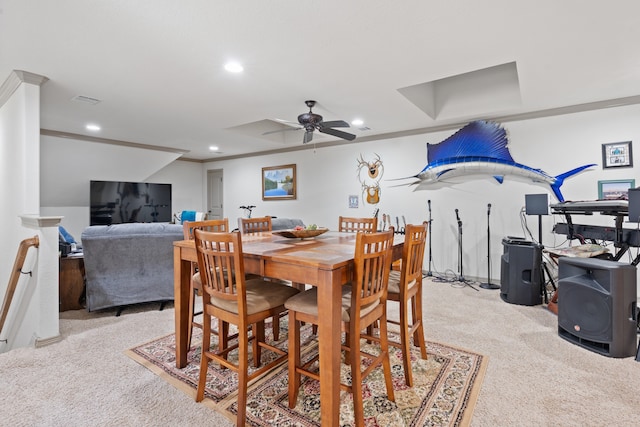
311, 122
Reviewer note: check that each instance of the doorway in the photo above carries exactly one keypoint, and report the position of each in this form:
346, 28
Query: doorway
214, 194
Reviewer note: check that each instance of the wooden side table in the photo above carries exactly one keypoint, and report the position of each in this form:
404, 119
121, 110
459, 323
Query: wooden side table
71, 283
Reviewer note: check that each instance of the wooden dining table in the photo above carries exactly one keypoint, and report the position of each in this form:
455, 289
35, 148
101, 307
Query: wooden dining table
325, 261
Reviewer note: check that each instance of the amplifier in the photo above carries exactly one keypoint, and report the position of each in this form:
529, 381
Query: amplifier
629, 236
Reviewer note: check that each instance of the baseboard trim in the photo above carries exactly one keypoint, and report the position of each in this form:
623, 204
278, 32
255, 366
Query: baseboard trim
47, 341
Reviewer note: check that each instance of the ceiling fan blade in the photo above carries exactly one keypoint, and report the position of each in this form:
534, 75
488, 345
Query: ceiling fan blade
308, 136
287, 122
338, 133
280, 130
335, 124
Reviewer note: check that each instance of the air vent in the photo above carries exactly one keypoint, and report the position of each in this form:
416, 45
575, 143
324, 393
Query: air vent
87, 99
364, 128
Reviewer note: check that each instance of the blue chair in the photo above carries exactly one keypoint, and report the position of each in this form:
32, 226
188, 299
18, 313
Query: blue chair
191, 216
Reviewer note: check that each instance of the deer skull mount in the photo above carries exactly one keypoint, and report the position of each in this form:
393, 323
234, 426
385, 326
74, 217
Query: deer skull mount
369, 175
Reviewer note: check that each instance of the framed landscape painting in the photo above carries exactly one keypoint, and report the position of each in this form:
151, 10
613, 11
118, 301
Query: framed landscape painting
615, 189
279, 182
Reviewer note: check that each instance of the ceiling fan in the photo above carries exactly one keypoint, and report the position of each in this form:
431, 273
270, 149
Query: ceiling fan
311, 121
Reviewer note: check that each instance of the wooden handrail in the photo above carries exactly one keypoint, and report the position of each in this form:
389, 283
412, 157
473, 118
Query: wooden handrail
15, 275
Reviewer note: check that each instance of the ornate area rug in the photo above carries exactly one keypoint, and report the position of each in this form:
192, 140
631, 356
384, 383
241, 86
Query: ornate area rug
446, 386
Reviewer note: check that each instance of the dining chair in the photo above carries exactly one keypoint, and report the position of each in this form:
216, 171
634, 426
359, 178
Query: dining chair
354, 225
363, 302
228, 296
254, 225
217, 225
405, 287
261, 225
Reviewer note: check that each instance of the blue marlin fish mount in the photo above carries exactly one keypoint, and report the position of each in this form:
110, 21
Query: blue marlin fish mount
480, 148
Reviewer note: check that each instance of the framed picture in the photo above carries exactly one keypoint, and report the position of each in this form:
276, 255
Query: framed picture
617, 155
615, 189
353, 201
279, 182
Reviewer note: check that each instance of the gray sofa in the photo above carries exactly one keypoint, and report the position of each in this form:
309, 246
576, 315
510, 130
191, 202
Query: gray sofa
129, 263
285, 223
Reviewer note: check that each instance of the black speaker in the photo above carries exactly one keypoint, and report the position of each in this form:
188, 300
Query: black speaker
634, 204
597, 305
520, 272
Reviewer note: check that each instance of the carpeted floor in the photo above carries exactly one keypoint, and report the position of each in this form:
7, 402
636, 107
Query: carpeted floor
534, 378
444, 394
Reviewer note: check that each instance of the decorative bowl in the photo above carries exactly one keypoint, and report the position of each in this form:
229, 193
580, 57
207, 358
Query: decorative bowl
300, 234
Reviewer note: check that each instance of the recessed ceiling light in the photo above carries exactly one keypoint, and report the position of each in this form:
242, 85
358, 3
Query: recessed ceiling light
357, 122
233, 67
214, 148
93, 128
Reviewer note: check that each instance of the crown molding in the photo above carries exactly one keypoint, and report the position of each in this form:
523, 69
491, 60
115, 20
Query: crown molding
549, 112
15, 79
80, 137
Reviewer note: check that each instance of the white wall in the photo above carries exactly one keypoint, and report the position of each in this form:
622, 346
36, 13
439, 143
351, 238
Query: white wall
327, 176
34, 307
12, 143
68, 165
188, 185
44, 178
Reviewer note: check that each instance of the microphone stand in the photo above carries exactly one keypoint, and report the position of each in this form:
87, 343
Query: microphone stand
429, 273
461, 277
488, 284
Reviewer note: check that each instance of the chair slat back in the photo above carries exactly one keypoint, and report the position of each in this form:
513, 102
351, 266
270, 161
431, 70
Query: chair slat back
217, 225
354, 225
372, 265
254, 225
413, 252
221, 265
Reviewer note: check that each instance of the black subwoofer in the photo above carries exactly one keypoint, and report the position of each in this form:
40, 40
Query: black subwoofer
597, 305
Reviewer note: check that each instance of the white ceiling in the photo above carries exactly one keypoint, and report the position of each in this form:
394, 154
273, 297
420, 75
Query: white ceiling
157, 66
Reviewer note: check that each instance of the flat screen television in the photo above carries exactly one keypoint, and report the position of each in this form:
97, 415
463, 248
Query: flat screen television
117, 202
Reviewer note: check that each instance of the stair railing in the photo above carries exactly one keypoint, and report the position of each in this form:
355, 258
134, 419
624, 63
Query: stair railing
15, 275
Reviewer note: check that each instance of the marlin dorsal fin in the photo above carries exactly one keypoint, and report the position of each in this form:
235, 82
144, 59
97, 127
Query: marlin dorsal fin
479, 138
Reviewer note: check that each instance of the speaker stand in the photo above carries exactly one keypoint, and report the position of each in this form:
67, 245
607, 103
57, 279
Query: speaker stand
488, 284
544, 269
